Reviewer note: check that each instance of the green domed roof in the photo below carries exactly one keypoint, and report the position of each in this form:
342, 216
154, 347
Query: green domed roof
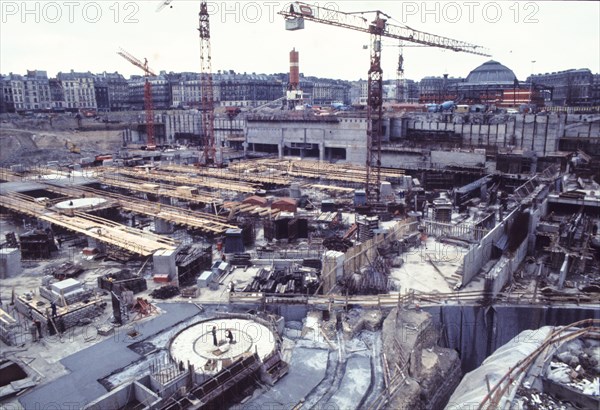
491, 72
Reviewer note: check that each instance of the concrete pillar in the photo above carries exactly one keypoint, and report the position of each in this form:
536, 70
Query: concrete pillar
387, 124
563, 272
94, 243
321, 151
164, 262
10, 262
280, 145
304, 146
534, 165
162, 227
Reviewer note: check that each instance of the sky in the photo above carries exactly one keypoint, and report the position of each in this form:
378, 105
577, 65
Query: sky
249, 36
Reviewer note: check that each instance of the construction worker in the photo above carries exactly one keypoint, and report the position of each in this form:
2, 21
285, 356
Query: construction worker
424, 240
231, 287
53, 307
214, 335
229, 336
33, 331
38, 326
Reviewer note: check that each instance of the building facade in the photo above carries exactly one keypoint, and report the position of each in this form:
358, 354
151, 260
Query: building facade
57, 95
161, 92
36, 89
112, 92
13, 93
568, 88
246, 90
436, 90
78, 90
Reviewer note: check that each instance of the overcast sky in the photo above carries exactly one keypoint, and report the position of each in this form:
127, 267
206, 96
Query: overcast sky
249, 36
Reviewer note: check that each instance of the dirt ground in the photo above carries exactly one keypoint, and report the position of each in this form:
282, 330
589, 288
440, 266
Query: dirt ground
35, 141
35, 147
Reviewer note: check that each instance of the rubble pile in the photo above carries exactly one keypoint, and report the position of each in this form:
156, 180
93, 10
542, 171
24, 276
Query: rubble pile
337, 244
576, 364
529, 399
165, 292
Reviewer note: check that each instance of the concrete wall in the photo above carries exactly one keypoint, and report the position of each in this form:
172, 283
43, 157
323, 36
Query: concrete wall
347, 133
480, 254
121, 396
172, 386
539, 133
456, 158
476, 331
397, 160
363, 254
502, 272
189, 122
10, 262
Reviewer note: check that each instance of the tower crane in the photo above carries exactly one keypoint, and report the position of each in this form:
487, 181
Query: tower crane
298, 12
148, 106
206, 87
207, 109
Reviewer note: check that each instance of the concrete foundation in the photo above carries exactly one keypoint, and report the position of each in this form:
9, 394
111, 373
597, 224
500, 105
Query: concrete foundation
165, 263
10, 262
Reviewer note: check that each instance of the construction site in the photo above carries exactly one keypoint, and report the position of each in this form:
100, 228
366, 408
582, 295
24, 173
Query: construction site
284, 257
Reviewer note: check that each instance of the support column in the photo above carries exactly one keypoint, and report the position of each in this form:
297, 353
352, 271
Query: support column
564, 269
280, 145
162, 226
321, 151
165, 264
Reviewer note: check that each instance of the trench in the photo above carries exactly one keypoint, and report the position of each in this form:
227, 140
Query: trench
477, 331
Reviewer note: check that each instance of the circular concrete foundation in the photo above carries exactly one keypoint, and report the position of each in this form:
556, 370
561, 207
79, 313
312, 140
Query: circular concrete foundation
195, 345
81, 204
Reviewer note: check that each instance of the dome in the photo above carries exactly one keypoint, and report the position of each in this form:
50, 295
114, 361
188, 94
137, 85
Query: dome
491, 72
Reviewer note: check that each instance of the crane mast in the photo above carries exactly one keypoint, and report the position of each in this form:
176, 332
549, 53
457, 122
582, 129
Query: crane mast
400, 76
374, 111
377, 28
148, 104
206, 88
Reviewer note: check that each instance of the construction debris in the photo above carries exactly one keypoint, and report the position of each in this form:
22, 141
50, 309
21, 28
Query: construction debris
165, 292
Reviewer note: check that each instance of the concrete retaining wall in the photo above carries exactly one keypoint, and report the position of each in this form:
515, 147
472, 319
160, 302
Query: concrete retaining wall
501, 274
535, 132
347, 133
476, 331
122, 396
480, 254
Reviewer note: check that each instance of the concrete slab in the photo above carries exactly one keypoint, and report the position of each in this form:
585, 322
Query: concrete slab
307, 370
195, 344
419, 273
87, 366
354, 385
